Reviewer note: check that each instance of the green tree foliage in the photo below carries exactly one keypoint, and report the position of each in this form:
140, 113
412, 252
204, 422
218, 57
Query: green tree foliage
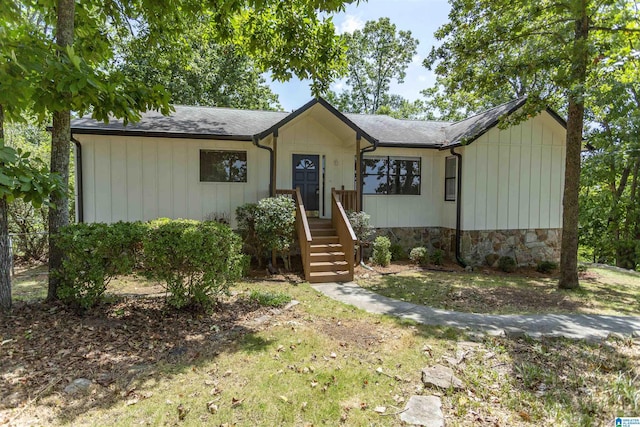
558, 42
20, 178
609, 197
376, 55
200, 72
56, 52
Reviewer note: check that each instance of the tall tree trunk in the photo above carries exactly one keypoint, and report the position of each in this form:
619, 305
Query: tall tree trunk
60, 147
575, 123
5, 253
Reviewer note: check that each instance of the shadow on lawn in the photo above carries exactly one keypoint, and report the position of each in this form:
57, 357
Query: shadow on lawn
591, 381
117, 346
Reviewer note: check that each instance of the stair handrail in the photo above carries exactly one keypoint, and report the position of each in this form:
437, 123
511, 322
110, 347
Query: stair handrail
304, 233
346, 235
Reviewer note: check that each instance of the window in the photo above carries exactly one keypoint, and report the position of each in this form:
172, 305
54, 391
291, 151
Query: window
223, 166
391, 175
450, 179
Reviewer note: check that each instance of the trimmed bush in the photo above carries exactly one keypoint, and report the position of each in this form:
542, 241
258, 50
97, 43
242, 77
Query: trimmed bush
437, 256
270, 299
95, 254
246, 218
381, 253
197, 261
507, 264
361, 225
397, 252
546, 267
419, 256
275, 222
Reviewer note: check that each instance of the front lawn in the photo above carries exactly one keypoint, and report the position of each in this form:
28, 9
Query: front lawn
603, 291
317, 363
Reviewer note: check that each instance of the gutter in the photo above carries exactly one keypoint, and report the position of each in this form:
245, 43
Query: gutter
458, 209
79, 188
256, 142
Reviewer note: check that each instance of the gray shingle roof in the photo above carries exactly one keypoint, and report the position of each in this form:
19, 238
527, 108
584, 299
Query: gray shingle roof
228, 123
188, 121
469, 129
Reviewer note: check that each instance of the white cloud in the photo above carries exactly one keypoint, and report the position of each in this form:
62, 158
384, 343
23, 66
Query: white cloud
350, 24
422, 78
416, 60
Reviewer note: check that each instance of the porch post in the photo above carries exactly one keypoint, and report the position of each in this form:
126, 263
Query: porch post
274, 171
358, 173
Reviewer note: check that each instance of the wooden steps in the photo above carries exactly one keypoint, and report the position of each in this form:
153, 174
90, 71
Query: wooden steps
327, 258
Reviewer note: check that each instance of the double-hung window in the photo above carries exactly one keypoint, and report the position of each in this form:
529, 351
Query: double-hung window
391, 175
223, 166
450, 171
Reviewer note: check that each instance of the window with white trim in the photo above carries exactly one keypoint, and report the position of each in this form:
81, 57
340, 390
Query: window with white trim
450, 171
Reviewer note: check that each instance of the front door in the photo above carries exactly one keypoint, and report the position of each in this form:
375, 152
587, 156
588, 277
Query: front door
306, 175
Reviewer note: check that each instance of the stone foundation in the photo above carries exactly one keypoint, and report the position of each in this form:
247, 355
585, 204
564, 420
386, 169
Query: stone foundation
485, 247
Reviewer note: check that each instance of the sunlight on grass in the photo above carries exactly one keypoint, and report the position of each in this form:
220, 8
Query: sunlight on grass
602, 292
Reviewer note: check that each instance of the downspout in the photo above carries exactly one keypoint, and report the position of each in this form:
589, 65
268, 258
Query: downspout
256, 142
368, 149
458, 209
79, 188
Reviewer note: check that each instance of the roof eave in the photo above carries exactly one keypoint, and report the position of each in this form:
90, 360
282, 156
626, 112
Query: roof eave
158, 134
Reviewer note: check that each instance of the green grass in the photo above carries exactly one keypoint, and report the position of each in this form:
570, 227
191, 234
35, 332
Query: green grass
602, 291
269, 299
326, 363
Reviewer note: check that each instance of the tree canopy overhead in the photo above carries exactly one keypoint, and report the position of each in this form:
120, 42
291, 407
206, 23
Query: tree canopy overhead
538, 45
376, 55
54, 57
197, 71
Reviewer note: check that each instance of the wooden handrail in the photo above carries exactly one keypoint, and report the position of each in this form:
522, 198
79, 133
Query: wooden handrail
349, 199
302, 228
343, 227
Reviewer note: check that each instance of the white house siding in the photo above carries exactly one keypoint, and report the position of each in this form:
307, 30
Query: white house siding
137, 178
424, 210
306, 136
513, 178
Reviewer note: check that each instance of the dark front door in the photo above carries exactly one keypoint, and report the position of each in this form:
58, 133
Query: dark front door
306, 175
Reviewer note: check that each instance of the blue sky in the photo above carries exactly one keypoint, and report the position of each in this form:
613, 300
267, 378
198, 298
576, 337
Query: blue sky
421, 17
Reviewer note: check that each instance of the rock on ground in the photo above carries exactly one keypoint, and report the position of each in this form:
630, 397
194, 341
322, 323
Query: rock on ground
423, 411
78, 385
441, 376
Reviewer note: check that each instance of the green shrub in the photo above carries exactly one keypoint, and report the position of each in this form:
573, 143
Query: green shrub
507, 264
246, 218
270, 299
419, 255
381, 253
546, 266
437, 256
397, 252
275, 221
197, 261
361, 225
94, 254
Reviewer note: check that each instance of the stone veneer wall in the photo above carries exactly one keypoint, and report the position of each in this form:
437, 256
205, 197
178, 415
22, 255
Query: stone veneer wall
479, 247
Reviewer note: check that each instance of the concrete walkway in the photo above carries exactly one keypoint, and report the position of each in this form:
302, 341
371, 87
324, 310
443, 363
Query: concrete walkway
576, 326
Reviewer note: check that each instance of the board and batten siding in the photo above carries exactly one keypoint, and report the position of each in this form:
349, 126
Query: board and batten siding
513, 178
141, 178
422, 210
